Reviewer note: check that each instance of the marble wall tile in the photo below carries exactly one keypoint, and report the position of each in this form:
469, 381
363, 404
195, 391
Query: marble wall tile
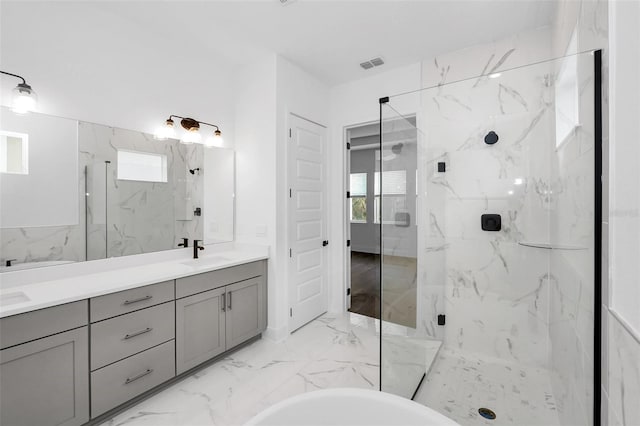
495, 291
140, 217
119, 217
624, 374
571, 316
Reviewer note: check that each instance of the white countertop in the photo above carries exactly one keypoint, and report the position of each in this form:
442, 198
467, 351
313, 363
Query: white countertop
55, 285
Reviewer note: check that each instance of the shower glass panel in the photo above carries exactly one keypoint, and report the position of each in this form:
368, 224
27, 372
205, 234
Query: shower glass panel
409, 339
491, 210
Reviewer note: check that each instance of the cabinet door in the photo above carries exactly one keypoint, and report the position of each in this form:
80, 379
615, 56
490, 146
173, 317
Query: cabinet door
46, 382
245, 310
199, 328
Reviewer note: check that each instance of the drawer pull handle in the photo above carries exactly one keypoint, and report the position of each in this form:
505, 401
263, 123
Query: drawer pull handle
129, 336
224, 302
142, 299
230, 293
139, 376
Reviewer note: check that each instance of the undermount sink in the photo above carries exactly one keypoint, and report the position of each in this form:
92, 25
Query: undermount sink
13, 298
208, 260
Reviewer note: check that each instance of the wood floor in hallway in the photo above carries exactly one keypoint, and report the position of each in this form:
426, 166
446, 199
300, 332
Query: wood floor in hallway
399, 289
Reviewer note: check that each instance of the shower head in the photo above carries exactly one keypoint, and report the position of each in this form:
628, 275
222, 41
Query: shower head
397, 148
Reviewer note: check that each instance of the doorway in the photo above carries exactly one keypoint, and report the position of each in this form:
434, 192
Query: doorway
366, 216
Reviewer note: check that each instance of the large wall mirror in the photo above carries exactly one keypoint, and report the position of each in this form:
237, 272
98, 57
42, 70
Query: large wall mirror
72, 191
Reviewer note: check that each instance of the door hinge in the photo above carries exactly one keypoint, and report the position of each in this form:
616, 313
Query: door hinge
348, 145
289, 132
291, 312
290, 253
325, 243
348, 194
441, 319
348, 292
348, 243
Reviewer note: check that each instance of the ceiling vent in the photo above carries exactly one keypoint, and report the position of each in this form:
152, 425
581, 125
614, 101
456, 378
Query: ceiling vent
375, 62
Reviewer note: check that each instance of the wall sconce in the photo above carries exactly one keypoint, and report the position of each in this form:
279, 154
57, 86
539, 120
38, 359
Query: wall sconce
192, 134
24, 98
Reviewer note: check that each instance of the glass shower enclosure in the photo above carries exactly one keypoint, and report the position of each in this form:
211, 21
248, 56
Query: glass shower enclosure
488, 207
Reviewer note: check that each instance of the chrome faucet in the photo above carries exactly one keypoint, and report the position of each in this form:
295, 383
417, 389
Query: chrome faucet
196, 247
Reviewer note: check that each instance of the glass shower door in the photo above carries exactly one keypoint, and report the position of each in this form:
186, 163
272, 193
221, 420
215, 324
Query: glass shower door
409, 309
508, 236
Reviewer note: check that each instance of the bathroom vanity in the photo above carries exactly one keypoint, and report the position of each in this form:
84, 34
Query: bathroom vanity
126, 333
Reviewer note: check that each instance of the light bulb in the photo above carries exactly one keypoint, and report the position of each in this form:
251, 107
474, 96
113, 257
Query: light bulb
215, 140
24, 99
191, 136
165, 131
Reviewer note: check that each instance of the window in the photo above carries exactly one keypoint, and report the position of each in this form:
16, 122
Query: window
358, 189
14, 153
567, 96
142, 166
393, 187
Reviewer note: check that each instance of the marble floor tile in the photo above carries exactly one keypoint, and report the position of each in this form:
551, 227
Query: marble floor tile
331, 351
460, 383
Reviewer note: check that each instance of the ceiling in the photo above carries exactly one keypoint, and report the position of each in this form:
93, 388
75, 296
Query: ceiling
326, 38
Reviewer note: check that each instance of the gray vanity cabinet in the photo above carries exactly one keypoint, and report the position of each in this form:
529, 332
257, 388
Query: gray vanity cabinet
46, 381
245, 312
230, 311
200, 328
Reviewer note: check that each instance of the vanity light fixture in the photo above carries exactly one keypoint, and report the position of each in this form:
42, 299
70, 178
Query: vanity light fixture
192, 134
24, 98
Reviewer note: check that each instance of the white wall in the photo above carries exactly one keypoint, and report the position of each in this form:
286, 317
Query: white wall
266, 92
621, 222
350, 104
255, 103
90, 64
299, 93
624, 214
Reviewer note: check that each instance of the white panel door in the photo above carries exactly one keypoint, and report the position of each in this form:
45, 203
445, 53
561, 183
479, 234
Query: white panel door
308, 296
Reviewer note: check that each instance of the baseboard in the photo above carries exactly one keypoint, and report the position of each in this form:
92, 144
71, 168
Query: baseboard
276, 334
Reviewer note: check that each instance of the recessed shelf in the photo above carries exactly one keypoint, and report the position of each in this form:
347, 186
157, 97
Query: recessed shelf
548, 246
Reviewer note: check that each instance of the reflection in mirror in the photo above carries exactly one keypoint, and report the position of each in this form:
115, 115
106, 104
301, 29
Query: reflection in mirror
72, 191
219, 197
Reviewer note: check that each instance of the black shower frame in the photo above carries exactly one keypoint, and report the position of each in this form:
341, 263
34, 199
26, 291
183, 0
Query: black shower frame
597, 308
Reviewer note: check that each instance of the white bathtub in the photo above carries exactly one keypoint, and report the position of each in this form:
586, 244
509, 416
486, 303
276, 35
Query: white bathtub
348, 407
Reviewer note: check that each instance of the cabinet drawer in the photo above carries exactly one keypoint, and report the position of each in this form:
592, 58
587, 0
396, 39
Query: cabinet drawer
120, 337
119, 382
209, 280
123, 302
44, 322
